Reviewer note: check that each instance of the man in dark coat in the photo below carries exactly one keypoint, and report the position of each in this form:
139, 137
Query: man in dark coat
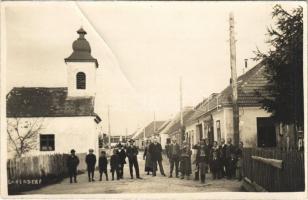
131, 153
185, 160
222, 157
122, 162
215, 162
102, 165
230, 152
72, 163
91, 161
173, 154
155, 150
203, 158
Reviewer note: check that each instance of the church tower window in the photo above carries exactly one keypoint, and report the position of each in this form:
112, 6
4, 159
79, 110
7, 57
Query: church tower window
81, 80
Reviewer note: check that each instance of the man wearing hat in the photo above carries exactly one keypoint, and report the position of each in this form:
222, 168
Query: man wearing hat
72, 163
131, 153
173, 153
202, 159
185, 160
155, 151
91, 161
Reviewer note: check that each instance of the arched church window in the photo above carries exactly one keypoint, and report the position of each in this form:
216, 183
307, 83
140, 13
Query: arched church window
81, 80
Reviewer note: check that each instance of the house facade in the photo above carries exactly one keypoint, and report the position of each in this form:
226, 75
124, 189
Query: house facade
61, 118
213, 117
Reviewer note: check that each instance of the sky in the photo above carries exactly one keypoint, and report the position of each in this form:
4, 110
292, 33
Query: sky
143, 48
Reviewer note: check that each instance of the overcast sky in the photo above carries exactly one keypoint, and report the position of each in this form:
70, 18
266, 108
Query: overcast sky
142, 49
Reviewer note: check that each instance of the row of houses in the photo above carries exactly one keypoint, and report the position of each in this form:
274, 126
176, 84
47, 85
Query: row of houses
213, 118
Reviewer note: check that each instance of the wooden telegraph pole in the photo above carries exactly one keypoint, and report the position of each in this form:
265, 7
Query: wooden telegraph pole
109, 131
181, 113
236, 132
126, 135
154, 124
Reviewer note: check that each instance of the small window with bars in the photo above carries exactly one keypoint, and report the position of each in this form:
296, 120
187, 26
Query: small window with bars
47, 142
81, 80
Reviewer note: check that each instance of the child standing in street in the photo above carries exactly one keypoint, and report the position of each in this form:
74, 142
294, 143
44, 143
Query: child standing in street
102, 164
115, 164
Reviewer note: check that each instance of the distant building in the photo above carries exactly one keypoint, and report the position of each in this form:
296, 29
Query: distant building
147, 132
173, 128
66, 114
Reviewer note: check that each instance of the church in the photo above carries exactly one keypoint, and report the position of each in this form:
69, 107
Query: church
57, 119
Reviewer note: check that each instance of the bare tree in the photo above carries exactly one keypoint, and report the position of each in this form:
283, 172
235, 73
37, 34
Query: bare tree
23, 134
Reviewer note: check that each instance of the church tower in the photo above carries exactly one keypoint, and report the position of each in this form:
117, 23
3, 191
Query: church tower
81, 69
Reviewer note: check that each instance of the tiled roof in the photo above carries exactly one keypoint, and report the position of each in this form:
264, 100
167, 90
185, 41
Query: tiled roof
164, 125
149, 129
251, 90
175, 123
46, 102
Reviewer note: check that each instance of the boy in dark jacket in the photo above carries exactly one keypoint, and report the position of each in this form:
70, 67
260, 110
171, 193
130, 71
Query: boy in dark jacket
91, 161
72, 163
102, 165
115, 164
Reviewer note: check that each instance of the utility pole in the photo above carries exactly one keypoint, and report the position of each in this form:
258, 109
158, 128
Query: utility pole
234, 82
109, 130
125, 135
181, 112
144, 136
154, 124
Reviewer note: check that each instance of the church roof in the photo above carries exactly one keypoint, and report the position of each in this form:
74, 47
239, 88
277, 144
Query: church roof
81, 50
46, 102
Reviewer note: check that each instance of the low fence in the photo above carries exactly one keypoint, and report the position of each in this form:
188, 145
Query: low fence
36, 168
39, 167
275, 170
28, 173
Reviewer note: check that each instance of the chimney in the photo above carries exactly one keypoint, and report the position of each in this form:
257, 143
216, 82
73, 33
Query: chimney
246, 65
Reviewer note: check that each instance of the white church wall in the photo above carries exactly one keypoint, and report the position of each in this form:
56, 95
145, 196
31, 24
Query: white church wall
77, 133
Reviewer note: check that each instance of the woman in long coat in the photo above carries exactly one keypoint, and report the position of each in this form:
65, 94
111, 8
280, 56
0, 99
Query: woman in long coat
147, 157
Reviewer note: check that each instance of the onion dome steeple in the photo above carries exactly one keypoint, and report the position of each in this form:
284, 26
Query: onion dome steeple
81, 50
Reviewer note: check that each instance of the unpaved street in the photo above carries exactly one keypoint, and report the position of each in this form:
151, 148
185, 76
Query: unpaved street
148, 184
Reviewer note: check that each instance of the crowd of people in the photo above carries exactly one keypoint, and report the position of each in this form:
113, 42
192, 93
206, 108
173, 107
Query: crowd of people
220, 159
